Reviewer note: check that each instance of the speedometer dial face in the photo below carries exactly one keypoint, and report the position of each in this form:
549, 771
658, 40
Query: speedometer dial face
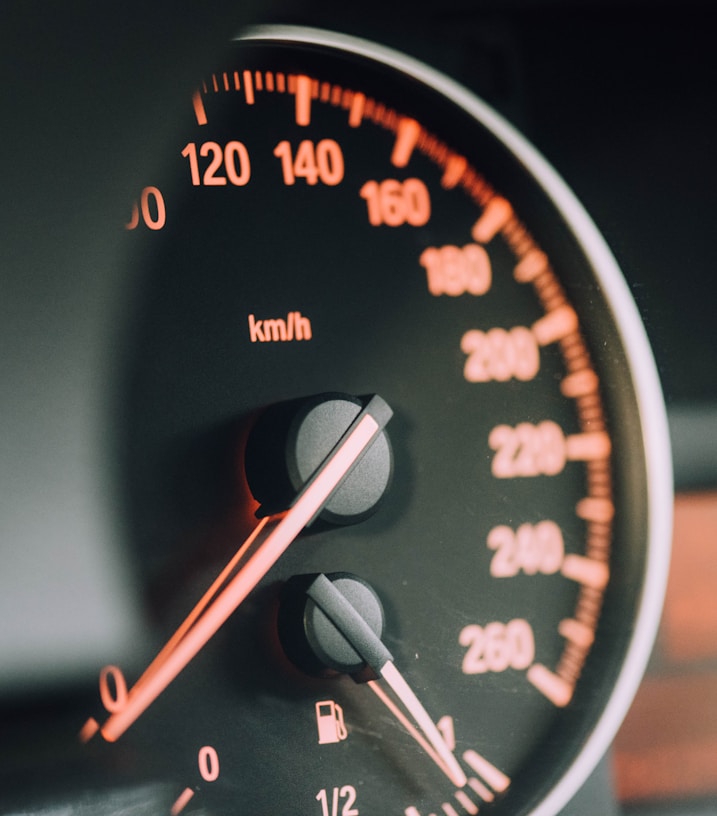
391, 440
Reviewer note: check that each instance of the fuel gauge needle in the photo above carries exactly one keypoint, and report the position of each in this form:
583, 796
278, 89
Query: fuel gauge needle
366, 642
269, 541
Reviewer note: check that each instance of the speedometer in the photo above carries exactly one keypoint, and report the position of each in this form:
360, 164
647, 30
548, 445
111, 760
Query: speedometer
394, 454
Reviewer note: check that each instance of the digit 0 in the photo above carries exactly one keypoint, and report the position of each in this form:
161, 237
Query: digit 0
208, 761
151, 209
113, 689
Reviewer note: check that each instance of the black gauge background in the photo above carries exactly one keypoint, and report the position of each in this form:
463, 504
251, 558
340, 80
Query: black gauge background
190, 343
608, 124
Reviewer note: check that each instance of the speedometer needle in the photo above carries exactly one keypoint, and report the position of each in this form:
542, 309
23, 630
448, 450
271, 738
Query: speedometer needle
209, 615
366, 642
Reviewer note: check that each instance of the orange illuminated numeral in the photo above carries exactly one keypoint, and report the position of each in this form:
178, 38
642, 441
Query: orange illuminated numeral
448, 731
113, 689
497, 646
133, 222
230, 162
454, 271
211, 179
151, 210
393, 203
347, 793
322, 162
236, 154
500, 355
528, 450
208, 761
532, 549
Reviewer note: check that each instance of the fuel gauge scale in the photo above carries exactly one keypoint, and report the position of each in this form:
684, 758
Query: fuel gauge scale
394, 454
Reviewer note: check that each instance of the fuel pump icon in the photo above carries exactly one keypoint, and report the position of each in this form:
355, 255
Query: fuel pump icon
330, 722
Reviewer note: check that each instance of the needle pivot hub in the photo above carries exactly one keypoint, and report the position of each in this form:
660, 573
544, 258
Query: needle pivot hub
331, 624
289, 442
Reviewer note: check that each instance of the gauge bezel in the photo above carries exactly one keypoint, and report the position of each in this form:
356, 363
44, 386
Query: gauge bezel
640, 362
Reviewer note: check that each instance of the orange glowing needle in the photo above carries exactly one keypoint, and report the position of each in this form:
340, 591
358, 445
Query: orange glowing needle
209, 615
